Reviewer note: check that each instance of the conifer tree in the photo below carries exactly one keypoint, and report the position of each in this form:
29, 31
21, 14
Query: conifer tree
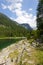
40, 18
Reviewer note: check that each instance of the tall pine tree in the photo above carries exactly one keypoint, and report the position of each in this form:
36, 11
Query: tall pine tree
40, 18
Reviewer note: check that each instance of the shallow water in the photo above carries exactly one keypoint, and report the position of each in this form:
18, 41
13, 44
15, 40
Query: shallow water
6, 42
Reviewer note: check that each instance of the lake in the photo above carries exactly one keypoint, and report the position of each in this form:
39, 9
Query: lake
8, 41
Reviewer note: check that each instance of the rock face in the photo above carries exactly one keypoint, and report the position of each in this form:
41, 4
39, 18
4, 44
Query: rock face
27, 26
17, 54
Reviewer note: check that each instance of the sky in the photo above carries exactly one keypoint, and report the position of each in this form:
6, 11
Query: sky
21, 11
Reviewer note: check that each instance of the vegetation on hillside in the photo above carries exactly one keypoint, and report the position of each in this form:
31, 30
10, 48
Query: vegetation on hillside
9, 28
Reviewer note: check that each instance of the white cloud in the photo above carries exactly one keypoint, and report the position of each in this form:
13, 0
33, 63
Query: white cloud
27, 19
3, 6
18, 5
15, 6
13, 1
30, 9
11, 7
12, 18
24, 17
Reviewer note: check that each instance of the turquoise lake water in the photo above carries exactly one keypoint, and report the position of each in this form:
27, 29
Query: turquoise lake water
6, 42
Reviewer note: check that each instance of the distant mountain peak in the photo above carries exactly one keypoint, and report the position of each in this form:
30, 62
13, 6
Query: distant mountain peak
27, 26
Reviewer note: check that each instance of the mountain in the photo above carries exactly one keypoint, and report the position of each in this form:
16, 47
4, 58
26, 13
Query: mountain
9, 27
27, 26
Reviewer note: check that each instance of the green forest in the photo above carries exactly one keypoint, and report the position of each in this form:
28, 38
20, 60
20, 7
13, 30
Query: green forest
9, 28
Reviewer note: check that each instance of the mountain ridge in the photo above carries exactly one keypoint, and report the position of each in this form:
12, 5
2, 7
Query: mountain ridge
9, 27
27, 26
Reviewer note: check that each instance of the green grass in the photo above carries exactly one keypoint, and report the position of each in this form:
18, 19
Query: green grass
14, 54
37, 55
31, 40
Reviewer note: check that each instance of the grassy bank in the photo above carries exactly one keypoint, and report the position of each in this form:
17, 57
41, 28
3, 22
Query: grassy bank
38, 57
